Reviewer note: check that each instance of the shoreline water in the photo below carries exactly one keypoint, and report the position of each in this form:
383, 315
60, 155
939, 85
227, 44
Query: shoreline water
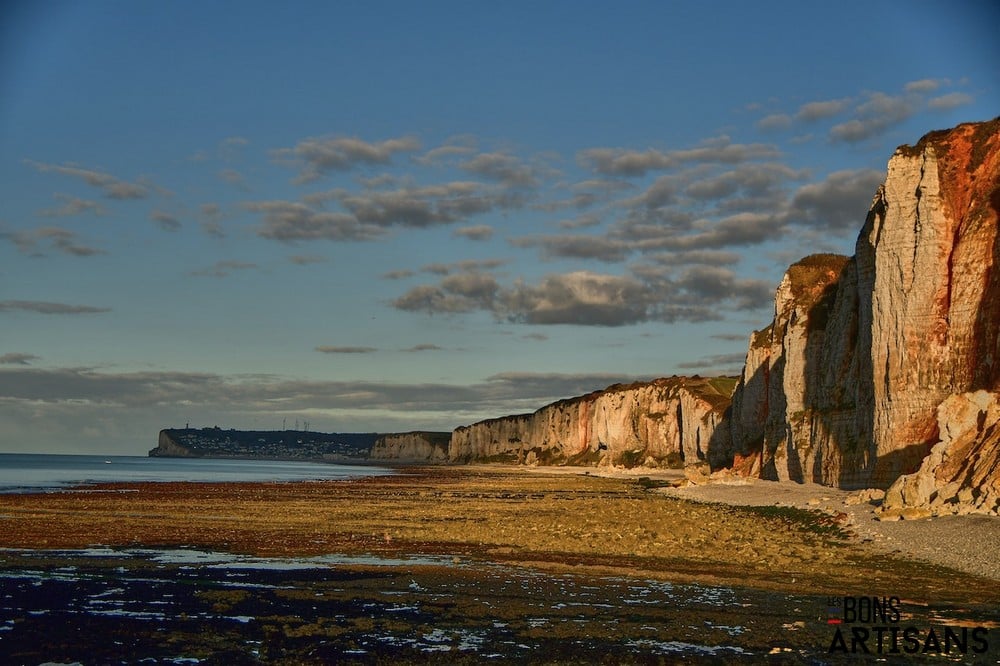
21, 472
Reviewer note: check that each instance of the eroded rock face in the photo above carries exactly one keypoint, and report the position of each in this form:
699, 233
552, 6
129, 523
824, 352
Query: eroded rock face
771, 412
961, 474
842, 388
664, 422
412, 447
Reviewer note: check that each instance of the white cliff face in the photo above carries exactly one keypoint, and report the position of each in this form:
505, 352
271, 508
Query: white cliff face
843, 387
412, 447
668, 421
772, 413
929, 290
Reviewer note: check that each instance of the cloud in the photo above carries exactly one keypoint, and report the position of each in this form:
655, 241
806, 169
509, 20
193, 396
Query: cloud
715, 284
306, 259
741, 229
814, 111
80, 390
316, 156
623, 162
879, 113
950, 101
579, 297
581, 222
925, 85
15, 358
598, 248
775, 121
57, 238
754, 180
291, 221
424, 347
327, 349
503, 168
729, 361
710, 257
212, 214
837, 203
111, 186
223, 269
231, 147
456, 147
422, 207
466, 265
479, 232
45, 307
73, 206
730, 337
165, 220
232, 176
464, 292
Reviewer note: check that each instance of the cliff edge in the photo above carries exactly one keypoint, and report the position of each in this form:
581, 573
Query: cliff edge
666, 422
412, 447
843, 388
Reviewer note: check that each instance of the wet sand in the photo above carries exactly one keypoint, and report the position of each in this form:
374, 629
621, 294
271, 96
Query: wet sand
504, 546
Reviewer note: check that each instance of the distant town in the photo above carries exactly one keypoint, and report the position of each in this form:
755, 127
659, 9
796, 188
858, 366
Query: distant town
279, 444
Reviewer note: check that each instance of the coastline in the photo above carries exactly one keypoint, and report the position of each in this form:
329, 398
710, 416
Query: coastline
607, 520
449, 564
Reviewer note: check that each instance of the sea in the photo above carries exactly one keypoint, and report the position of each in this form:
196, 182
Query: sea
32, 472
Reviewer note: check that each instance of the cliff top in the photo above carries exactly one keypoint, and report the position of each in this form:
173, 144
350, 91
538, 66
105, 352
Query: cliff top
809, 277
977, 134
717, 391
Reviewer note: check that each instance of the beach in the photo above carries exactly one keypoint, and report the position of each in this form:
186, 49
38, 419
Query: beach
531, 557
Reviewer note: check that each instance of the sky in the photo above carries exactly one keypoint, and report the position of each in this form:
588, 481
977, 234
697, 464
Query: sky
390, 216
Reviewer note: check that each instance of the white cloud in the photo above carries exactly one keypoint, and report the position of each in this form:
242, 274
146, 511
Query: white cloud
46, 307
111, 186
950, 101
317, 156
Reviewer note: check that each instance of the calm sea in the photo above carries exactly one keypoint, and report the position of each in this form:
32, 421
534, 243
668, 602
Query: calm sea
26, 472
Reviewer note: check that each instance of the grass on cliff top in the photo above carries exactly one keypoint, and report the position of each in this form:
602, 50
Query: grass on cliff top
724, 385
816, 270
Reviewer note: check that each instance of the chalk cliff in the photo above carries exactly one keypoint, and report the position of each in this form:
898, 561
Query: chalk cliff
412, 447
843, 387
168, 447
664, 422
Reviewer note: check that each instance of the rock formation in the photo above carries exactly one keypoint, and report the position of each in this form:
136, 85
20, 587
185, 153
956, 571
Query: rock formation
961, 474
843, 387
412, 447
664, 422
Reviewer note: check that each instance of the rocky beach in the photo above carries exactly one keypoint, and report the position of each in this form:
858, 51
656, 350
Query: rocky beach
472, 563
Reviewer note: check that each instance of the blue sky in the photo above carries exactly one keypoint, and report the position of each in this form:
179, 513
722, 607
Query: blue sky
384, 216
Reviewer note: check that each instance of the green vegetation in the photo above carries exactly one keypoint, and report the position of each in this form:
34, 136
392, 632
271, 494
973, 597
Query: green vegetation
647, 483
724, 385
814, 522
